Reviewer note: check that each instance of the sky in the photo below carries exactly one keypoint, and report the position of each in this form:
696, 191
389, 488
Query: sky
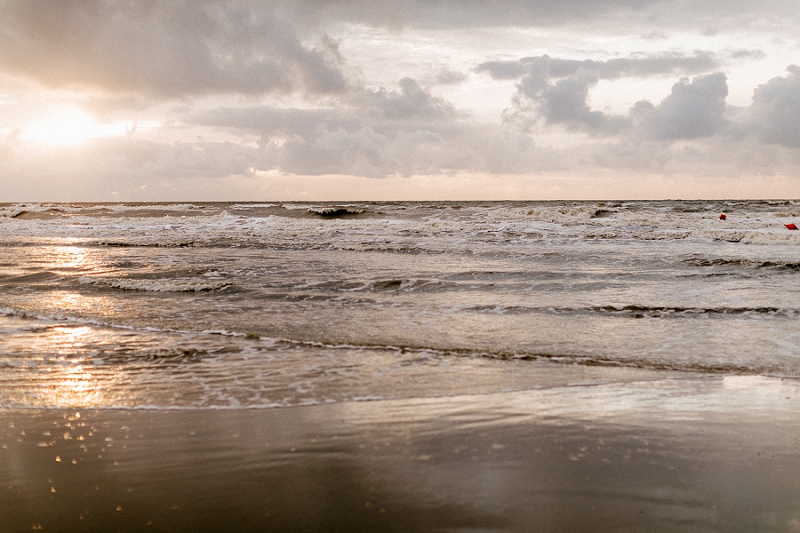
259, 100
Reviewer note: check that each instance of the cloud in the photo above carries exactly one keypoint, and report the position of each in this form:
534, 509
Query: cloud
164, 48
741, 53
179, 48
372, 132
266, 76
449, 77
545, 67
564, 102
503, 70
693, 109
389, 111
96, 170
443, 14
406, 131
775, 112
379, 133
604, 16
556, 90
412, 102
269, 121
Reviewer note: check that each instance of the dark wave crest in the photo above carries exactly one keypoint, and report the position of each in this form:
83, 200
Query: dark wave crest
744, 263
336, 212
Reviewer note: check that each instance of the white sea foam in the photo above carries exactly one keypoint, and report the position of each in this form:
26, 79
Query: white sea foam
162, 285
476, 228
253, 206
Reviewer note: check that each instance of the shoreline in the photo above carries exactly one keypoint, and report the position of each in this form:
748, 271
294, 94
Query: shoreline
710, 453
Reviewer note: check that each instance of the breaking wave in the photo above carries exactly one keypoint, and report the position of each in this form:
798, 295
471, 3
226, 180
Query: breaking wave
745, 263
162, 285
335, 212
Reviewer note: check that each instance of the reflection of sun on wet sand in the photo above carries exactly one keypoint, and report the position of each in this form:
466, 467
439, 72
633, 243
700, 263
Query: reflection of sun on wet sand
716, 453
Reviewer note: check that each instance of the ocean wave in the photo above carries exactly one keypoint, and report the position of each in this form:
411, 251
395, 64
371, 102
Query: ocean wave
43, 277
604, 213
253, 206
148, 207
553, 214
640, 311
161, 285
158, 367
782, 237
636, 311
336, 211
469, 230
37, 210
145, 244
744, 263
401, 285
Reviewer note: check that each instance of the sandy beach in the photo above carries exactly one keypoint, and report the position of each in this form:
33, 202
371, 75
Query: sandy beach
684, 454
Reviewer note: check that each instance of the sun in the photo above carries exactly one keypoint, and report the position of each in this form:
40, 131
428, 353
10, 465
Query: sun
70, 126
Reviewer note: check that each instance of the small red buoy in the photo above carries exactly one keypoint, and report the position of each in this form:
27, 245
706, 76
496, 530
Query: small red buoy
790, 226
723, 216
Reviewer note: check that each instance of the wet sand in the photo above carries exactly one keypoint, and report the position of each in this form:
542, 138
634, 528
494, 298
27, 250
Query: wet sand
687, 454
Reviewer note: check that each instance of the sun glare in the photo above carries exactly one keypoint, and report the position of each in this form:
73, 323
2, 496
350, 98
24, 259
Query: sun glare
70, 127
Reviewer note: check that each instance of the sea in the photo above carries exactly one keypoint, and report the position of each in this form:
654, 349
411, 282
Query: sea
269, 305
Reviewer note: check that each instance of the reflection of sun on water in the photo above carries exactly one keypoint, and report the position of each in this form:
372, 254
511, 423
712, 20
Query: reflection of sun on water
70, 127
71, 383
70, 338
75, 258
70, 257
78, 385
69, 261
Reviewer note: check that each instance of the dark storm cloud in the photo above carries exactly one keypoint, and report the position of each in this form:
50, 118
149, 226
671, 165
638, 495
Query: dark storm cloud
165, 48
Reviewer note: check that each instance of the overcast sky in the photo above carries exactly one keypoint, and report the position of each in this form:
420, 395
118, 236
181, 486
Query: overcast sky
139, 100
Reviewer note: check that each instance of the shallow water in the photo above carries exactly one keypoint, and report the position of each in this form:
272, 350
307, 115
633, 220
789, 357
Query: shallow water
266, 305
